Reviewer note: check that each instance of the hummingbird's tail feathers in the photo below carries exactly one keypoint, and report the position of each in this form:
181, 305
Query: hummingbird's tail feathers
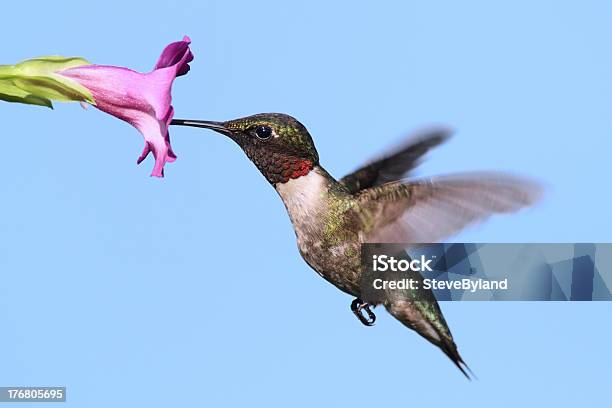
430, 210
397, 162
425, 317
451, 352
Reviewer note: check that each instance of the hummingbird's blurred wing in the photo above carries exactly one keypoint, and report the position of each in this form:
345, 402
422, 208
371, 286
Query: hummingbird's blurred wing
396, 163
424, 211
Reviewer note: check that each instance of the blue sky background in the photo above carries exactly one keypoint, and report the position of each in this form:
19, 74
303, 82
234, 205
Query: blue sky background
189, 291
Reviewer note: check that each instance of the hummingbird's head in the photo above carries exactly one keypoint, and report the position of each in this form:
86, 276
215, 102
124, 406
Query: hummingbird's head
277, 144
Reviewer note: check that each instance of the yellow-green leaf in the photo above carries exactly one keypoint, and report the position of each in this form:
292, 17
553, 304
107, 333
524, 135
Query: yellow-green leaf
35, 81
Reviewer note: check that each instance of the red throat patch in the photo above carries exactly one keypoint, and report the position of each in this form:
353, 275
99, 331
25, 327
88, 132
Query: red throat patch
301, 168
293, 168
279, 167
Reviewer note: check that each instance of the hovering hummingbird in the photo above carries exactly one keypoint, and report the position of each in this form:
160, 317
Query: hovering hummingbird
374, 204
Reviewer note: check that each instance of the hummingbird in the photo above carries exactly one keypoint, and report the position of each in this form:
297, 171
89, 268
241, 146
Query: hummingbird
377, 203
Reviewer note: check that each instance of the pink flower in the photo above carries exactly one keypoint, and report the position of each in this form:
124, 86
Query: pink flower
142, 100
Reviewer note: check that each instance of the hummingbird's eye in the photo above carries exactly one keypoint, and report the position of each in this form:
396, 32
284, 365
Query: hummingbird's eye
263, 132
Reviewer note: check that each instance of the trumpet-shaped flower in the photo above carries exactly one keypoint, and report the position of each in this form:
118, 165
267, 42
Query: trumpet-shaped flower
141, 99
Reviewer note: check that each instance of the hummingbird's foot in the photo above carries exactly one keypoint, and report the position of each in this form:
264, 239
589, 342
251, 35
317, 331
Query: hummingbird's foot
357, 306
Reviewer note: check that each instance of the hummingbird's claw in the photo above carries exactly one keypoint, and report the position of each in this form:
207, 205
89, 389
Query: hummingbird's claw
357, 306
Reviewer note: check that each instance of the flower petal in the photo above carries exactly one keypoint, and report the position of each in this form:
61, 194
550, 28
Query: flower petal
176, 54
143, 100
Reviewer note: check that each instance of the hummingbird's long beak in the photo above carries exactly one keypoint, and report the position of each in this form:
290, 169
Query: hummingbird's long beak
206, 124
